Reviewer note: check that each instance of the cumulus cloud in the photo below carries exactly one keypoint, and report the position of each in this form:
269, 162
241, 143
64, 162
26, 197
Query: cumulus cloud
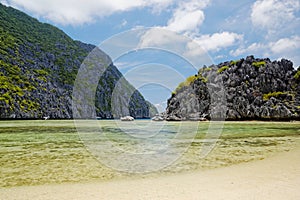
252, 49
167, 40
186, 20
283, 48
81, 11
160, 37
273, 14
287, 48
183, 21
285, 44
217, 41
188, 16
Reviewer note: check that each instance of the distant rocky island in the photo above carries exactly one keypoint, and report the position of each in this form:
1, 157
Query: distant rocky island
254, 89
38, 67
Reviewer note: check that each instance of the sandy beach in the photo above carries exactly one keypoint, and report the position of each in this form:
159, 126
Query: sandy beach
276, 177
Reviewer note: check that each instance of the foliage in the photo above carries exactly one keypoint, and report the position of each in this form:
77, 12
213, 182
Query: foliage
186, 83
274, 94
20, 30
259, 64
41, 72
189, 81
207, 69
204, 69
234, 62
203, 79
28, 49
220, 70
28, 105
297, 75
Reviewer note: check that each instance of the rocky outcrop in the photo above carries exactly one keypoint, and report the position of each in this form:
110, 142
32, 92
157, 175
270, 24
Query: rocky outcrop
247, 89
38, 68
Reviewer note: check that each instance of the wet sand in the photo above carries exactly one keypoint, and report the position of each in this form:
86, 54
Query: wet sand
276, 177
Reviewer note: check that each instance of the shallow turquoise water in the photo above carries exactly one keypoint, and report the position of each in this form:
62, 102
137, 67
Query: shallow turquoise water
40, 152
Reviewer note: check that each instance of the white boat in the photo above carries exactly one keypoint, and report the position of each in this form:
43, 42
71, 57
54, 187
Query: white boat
127, 118
157, 118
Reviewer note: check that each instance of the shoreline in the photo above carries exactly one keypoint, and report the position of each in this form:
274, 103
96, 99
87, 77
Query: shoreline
276, 177
118, 119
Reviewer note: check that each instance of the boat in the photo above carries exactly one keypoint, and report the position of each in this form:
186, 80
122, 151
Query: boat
127, 118
157, 118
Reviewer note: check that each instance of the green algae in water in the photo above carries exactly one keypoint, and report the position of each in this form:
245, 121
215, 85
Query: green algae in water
48, 152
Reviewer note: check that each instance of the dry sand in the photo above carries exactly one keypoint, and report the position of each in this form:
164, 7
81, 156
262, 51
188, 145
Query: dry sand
277, 177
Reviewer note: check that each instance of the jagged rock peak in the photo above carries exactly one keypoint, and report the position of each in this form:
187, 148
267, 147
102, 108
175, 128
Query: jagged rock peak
245, 89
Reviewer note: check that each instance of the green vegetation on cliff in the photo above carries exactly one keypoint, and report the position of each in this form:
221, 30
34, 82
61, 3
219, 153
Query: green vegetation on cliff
38, 67
247, 89
189, 80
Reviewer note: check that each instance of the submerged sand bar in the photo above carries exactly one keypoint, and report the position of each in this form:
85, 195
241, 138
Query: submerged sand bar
277, 177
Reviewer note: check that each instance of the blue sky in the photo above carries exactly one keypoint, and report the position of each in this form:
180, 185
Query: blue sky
225, 29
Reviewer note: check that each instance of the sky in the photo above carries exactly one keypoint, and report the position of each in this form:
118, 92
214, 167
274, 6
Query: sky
223, 29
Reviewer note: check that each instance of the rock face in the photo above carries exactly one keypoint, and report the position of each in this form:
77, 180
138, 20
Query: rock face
38, 68
247, 89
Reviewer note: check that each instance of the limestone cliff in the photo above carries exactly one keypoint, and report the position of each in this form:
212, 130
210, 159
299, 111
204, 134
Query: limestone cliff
38, 67
253, 89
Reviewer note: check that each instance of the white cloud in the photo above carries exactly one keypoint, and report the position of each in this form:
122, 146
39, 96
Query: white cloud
193, 49
161, 37
288, 48
285, 45
124, 22
4, 2
186, 21
273, 14
281, 46
82, 11
252, 49
188, 16
167, 40
159, 6
217, 41
200, 49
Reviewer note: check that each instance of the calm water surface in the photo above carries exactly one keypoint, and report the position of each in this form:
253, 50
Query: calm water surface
43, 152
